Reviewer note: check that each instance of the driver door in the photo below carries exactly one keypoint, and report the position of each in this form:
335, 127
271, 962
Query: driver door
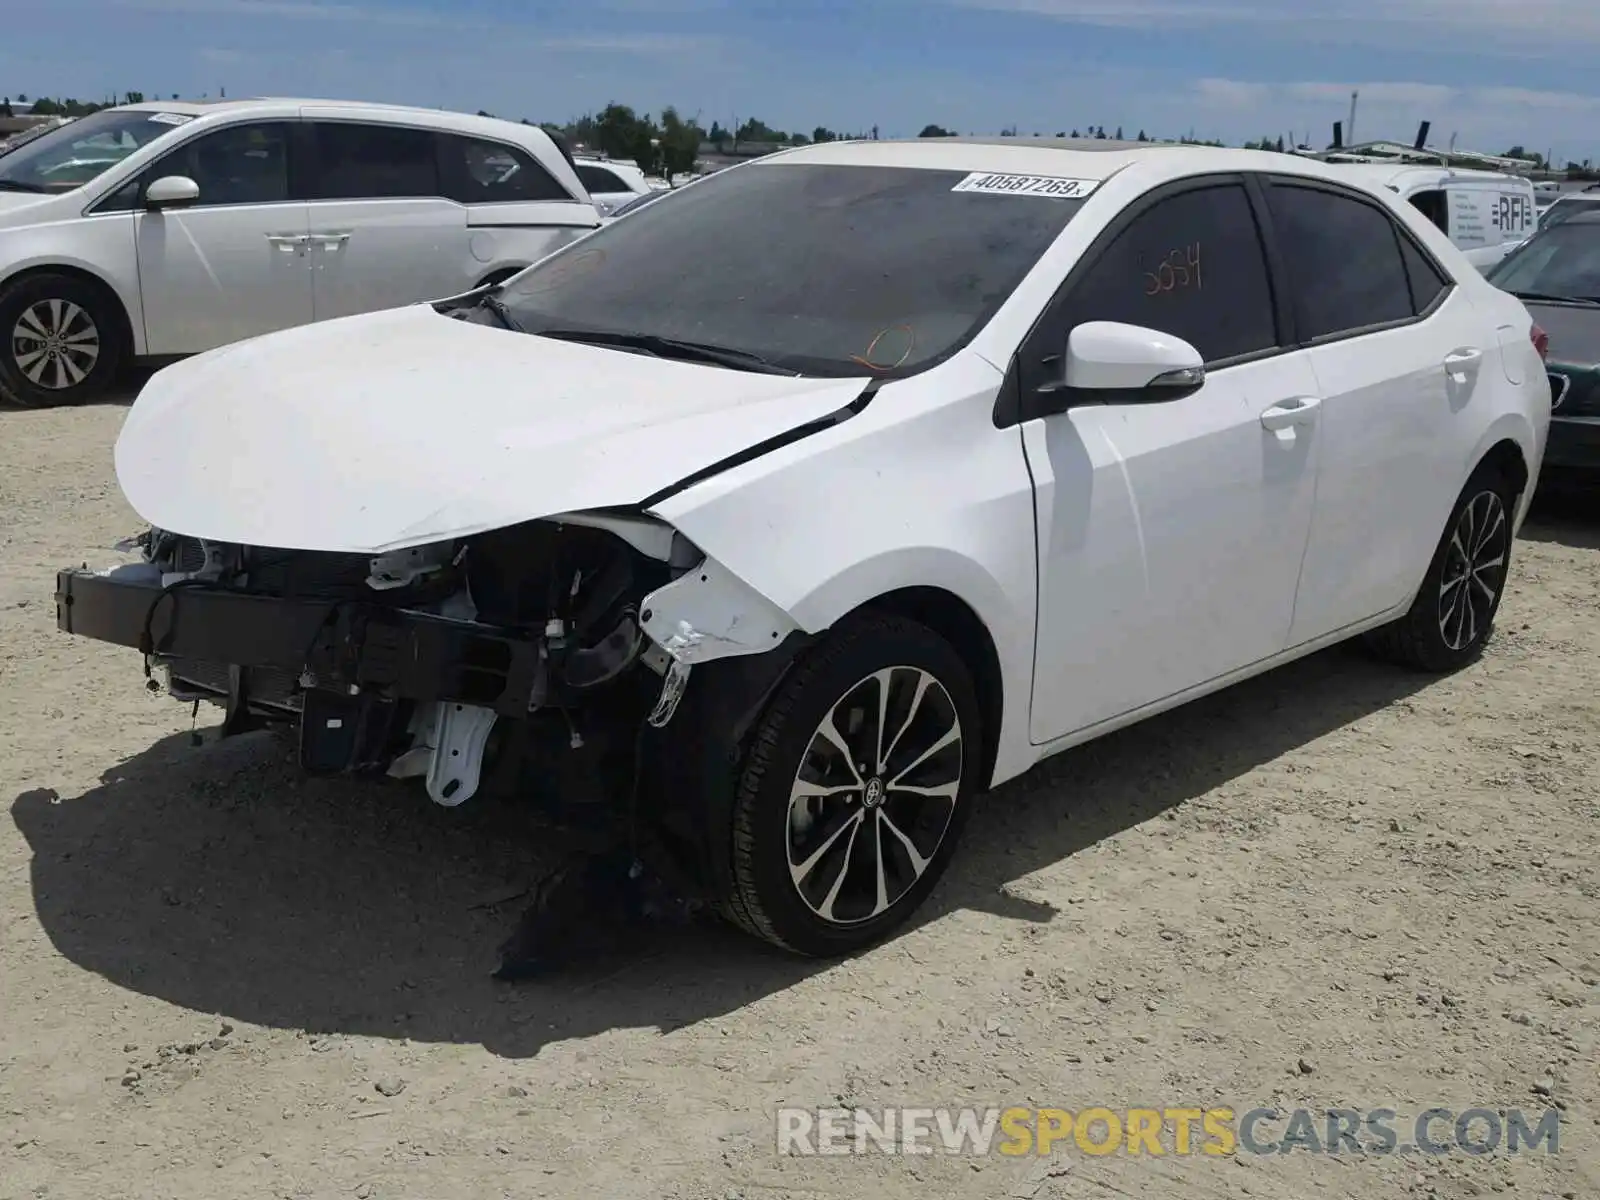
233, 264
1170, 534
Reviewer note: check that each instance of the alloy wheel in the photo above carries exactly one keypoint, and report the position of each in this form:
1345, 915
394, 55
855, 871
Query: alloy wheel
1474, 569
874, 794
55, 344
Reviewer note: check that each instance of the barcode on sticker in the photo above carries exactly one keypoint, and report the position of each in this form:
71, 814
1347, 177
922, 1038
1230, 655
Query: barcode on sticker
171, 118
1055, 187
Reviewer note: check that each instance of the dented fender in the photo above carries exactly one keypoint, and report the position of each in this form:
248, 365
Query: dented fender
710, 613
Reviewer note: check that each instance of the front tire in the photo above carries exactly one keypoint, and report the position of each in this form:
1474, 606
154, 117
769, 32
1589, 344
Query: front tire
1452, 616
854, 791
60, 342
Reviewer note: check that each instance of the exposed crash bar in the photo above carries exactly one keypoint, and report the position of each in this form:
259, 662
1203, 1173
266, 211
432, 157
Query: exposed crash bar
340, 644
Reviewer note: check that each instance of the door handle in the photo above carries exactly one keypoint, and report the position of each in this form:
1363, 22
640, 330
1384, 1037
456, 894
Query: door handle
1286, 414
289, 243
1461, 360
330, 241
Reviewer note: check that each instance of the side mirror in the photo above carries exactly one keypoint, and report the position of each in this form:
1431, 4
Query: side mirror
1114, 363
171, 191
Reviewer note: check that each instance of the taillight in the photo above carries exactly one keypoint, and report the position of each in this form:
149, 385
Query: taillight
1541, 342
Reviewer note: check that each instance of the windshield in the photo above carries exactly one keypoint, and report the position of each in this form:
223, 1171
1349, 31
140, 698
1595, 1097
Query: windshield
820, 269
1563, 260
1564, 209
71, 155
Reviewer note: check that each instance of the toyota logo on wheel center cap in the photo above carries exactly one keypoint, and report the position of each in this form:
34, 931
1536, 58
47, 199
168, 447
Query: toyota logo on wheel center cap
874, 793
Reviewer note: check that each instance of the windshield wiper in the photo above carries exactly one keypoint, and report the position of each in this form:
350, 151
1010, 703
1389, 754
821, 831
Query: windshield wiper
665, 347
1552, 298
11, 185
501, 313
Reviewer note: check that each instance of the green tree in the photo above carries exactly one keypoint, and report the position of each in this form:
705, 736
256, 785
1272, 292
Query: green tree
617, 131
1118, 134
46, 107
22, 98
5, 108
823, 134
133, 97
1142, 136
934, 131
680, 143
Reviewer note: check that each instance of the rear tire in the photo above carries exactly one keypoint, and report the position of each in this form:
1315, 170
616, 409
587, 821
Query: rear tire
831, 848
1453, 614
60, 341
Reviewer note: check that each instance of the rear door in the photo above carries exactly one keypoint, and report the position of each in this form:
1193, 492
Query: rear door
1399, 352
382, 232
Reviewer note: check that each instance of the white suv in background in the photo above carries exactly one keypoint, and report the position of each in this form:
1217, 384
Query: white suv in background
164, 229
611, 184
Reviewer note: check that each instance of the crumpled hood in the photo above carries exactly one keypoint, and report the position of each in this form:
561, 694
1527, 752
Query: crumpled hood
404, 427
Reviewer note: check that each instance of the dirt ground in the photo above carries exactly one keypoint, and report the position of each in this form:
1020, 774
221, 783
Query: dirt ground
1338, 885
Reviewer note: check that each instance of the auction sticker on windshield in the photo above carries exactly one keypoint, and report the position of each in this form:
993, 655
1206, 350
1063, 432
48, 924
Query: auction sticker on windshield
166, 118
1056, 187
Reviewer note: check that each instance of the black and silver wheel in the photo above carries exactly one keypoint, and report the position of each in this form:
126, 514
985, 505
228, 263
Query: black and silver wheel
1454, 611
61, 343
855, 788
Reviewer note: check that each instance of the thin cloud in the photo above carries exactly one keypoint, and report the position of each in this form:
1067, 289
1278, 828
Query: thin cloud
1547, 28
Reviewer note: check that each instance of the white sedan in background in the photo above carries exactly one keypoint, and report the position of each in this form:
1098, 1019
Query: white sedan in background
611, 184
788, 520
159, 230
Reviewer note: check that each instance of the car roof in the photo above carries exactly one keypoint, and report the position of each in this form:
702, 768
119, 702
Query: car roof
1399, 176
1080, 158
1096, 159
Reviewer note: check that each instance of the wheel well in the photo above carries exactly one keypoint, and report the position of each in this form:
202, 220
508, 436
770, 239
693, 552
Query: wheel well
1506, 458
118, 311
952, 619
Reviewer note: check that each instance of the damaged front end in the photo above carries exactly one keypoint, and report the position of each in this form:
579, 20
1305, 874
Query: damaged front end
547, 659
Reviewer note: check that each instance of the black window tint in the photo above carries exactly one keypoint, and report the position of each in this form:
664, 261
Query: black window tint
479, 172
1191, 266
243, 164
1426, 282
598, 179
1431, 204
365, 162
1343, 258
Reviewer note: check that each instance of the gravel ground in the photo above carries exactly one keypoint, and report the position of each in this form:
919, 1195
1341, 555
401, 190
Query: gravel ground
1337, 885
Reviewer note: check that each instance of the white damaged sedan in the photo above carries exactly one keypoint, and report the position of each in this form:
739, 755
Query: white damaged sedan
781, 521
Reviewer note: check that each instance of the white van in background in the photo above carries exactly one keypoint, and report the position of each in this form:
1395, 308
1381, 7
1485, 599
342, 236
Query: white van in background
1484, 213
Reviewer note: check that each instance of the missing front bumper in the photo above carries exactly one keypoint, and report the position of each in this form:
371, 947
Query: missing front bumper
346, 647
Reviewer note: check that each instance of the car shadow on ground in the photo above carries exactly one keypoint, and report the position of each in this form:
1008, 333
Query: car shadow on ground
1565, 513
218, 879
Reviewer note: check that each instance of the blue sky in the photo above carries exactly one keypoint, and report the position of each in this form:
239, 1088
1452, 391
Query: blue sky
1491, 72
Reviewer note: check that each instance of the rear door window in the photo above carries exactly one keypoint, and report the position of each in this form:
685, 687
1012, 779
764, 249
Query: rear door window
1344, 260
360, 161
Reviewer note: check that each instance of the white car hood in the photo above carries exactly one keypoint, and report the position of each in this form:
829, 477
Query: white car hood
404, 427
